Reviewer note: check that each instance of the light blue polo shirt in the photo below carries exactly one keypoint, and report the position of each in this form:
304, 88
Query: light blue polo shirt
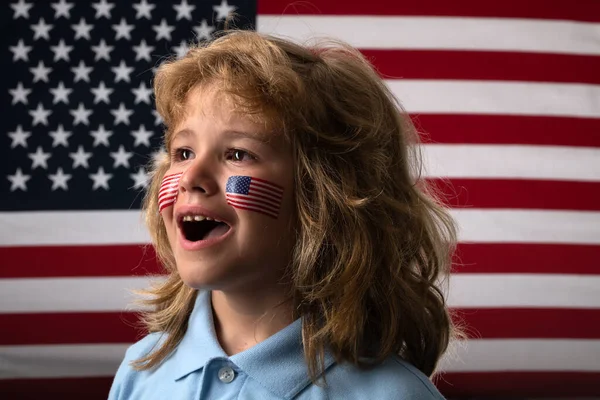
273, 369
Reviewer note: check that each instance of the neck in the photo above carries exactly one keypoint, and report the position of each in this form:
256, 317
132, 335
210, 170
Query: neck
243, 320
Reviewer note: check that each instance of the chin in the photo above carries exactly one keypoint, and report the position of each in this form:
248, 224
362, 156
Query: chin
201, 276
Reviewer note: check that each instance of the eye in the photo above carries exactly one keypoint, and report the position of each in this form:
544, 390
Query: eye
237, 155
182, 154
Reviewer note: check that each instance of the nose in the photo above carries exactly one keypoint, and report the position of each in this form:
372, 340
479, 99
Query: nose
200, 176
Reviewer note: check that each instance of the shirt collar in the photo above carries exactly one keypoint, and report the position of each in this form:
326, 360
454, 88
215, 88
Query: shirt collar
199, 344
277, 363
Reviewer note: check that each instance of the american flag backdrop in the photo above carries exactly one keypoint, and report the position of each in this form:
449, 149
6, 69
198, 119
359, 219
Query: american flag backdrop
507, 94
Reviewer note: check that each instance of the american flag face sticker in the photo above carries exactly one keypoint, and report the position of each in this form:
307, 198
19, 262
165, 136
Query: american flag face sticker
254, 194
168, 191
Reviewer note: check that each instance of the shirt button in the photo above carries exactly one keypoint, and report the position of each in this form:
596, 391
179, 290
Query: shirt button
226, 374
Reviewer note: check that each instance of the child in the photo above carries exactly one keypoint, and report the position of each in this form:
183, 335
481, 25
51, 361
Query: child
303, 253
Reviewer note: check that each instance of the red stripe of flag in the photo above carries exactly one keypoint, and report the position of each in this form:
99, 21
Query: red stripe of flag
138, 260
552, 384
74, 261
508, 129
480, 65
124, 327
529, 323
69, 328
519, 384
585, 10
519, 194
57, 388
527, 258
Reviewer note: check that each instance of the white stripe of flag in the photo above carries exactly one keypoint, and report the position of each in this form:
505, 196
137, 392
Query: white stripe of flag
476, 355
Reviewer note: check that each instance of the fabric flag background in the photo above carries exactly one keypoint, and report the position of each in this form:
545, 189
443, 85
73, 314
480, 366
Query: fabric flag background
506, 93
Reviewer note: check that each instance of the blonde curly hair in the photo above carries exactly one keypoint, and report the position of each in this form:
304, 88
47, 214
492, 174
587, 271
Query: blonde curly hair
373, 243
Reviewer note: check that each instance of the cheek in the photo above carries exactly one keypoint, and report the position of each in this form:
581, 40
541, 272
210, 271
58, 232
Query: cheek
167, 217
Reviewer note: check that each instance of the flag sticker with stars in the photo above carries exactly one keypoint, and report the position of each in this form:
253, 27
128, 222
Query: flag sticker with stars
77, 79
254, 194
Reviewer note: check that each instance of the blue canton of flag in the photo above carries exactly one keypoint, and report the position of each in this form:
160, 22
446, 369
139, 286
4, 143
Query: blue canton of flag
238, 184
78, 128
79, 123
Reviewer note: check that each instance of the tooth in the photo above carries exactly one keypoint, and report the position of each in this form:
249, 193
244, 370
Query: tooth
198, 218
216, 220
209, 219
187, 218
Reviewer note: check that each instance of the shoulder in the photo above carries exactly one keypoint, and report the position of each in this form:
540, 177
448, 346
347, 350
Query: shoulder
126, 379
144, 346
393, 379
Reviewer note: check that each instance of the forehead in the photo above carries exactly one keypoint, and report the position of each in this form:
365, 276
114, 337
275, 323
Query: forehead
208, 105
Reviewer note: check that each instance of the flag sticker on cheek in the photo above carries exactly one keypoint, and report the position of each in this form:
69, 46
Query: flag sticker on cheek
254, 194
168, 191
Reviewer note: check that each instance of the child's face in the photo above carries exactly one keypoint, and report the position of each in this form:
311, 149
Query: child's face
211, 144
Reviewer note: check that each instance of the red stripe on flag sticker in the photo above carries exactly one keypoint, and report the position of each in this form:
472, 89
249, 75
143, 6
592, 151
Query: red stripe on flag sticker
484, 65
258, 198
529, 323
519, 193
270, 185
507, 129
166, 203
78, 261
168, 190
527, 258
249, 208
171, 179
264, 193
167, 195
519, 384
252, 204
69, 328
583, 11
172, 184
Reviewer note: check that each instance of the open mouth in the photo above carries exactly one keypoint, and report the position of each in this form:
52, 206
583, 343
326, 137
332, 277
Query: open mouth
198, 227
